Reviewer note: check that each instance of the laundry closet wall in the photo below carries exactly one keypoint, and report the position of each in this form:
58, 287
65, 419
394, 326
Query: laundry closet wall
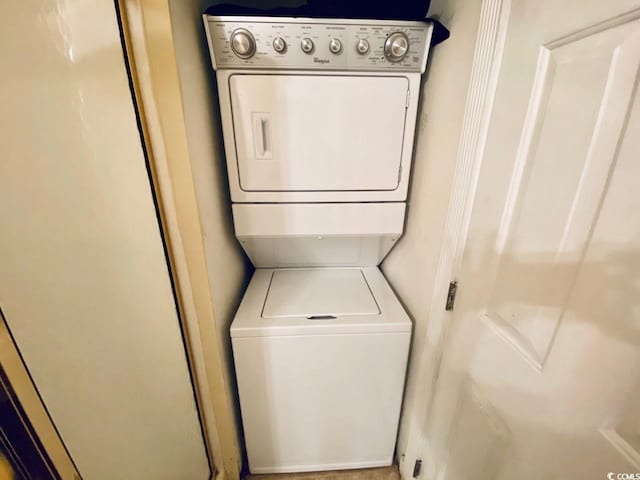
411, 266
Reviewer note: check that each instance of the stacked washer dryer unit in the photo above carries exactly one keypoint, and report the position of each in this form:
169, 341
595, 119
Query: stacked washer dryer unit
318, 120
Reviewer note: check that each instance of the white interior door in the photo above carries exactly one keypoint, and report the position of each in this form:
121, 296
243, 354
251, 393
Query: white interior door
540, 373
318, 132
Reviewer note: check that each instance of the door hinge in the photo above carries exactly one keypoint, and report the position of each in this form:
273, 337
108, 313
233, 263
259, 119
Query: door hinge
451, 296
406, 103
416, 468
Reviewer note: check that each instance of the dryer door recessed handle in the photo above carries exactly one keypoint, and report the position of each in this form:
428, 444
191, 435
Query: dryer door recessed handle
322, 317
262, 135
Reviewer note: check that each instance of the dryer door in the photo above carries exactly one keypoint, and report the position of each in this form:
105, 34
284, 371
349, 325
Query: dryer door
318, 133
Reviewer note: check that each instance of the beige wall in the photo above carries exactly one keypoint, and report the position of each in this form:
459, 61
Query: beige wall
84, 283
228, 268
411, 265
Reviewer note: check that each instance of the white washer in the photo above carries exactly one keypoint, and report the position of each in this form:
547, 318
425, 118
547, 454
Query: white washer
321, 358
318, 118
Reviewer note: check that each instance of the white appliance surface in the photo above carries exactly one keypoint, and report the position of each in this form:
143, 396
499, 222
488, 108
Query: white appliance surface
320, 394
259, 314
318, 132
318, 234
309, 136
320, 294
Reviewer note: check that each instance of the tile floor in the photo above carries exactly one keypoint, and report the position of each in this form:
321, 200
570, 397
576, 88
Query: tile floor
386, 473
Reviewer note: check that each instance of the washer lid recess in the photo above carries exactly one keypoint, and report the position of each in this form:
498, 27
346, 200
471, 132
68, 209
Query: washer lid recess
279, 302
317, 293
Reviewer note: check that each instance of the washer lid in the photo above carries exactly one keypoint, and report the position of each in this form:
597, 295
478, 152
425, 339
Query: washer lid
319, 294
279, 302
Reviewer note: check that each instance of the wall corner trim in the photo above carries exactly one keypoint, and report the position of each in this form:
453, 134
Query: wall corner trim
151, 53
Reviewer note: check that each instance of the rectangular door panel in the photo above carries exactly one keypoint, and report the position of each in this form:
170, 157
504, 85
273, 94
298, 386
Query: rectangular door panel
318, 132
583, 87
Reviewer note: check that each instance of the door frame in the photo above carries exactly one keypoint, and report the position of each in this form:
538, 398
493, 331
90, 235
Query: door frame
487, 58
150, 52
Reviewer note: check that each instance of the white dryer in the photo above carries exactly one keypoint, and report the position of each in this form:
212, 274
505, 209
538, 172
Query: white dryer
318, 121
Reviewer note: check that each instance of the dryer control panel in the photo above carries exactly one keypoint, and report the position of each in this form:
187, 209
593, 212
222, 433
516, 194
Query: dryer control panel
318, 44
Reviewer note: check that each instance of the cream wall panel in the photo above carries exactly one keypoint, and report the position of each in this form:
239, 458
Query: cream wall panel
84, 284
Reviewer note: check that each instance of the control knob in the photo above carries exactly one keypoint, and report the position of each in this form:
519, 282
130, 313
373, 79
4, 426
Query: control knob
242, 43
306, 45
396, 47
335, 46
362, 46
279, 45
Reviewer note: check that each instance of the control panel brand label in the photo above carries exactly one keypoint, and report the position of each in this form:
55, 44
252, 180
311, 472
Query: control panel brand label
320, 60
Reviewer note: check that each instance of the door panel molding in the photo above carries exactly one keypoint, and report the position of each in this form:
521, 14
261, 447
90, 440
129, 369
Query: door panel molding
576, 192
620, 443
623, 433
612, 22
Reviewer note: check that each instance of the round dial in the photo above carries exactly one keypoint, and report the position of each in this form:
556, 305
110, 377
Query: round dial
362, 46
306, 45
396, 47
335, 45
279, 45
242, 43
